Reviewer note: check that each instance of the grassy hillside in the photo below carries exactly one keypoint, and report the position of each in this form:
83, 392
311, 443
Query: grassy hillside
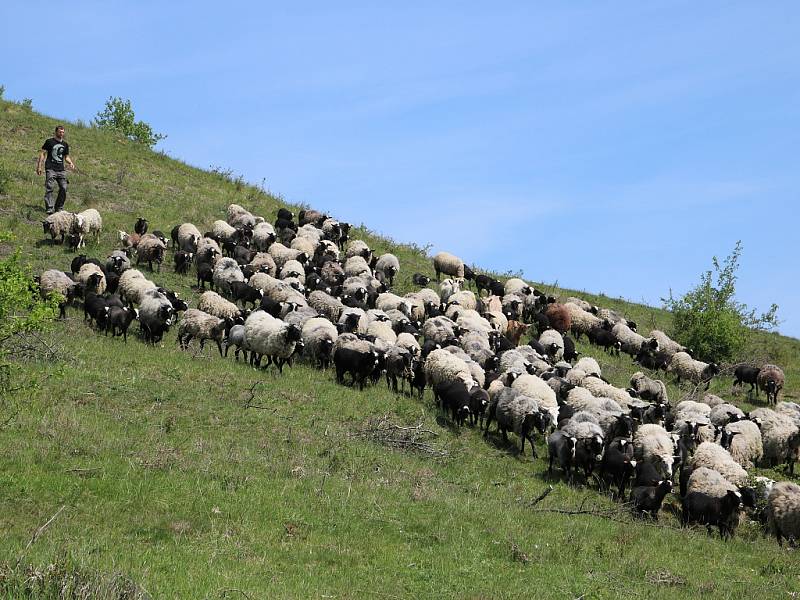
186, 476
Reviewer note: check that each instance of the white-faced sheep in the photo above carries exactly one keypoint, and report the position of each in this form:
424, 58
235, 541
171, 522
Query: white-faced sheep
684, 366
319, 335
770, 380
92, 278
449, 264
150, 249
267, 336
653, 444
59, 224
783, 511
84, 224
214, 304
226, 271
188, 237
743, 440
201, 325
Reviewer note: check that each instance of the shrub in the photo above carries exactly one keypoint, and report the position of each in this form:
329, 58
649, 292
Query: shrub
708, 318
119, 116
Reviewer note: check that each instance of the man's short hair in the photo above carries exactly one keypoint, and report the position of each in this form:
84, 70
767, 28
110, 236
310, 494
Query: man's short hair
57, 128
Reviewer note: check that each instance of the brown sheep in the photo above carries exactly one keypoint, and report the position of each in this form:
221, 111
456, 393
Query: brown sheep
770, 380
559, 316
515, 331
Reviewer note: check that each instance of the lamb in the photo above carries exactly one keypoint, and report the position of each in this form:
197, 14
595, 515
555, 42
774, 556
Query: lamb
389, 265
648, 498
561, 447
652, 444
443, 367
118, 320
449, 264
783, 511
770, 381
263, 236
59, 224
226, 271
742, 439
267, 336
319, 335
214, 304
54, 281
684, 366
92, 278
712, 500
553, 343
150, 249
201, 325
85, 223
589, 446
652, 390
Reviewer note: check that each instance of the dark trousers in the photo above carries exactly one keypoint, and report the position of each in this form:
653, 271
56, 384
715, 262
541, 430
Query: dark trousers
51, 179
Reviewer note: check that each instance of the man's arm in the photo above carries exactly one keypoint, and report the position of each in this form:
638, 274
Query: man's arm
70, 164
40, 161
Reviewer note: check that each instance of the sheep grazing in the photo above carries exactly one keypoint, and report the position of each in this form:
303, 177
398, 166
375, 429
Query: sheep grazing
449, 264
713, 456
358, 248
420, 279
581, 321
319, 335
84, 224
559, 317
92, 278
201, 325
783, 511
589, 366
133, 285
770, 380
59, 224
780, 436
647, 499
57, 282
631, 342
240, 217
150, 249
712, 500
443, 367
684, 366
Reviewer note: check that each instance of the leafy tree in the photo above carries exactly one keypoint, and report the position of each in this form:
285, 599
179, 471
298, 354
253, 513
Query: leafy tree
119, 116
710, 321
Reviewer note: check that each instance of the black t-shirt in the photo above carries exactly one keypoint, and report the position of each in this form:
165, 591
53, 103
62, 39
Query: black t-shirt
56, 151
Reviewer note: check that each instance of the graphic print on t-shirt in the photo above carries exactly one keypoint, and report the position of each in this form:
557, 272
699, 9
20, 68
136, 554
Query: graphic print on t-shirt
57, 153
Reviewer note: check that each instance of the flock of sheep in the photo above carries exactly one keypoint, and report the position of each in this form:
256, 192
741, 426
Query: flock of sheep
304, 289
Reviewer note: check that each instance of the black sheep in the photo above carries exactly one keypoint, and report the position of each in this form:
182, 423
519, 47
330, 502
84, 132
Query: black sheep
183, 261
618, 464
648, 498
745, 374
420, 279
709, 511
205, 273
240, 291
360, 365
119, 320
570, 353
605, 339
141, 226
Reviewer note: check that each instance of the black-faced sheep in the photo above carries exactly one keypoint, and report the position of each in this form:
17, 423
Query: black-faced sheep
201, 325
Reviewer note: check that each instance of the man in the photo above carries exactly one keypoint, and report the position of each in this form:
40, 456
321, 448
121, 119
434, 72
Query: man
56, 149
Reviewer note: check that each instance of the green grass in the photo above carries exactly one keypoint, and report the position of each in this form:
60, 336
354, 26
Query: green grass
180, 476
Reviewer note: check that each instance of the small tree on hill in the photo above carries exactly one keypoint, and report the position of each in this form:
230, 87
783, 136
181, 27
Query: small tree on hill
119, 116
710, 321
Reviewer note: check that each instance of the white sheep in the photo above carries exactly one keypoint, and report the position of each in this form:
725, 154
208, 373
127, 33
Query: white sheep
263, 261
438, 329
666, 344
92, 278
783, 511
150, 249
293, 268
652, 390
319, 335
263, 236
357, 248
239, 216
59, 224
382, 330
780, 436
653, 444
553, 343
746, 445
589, 365
389, 265
443, 367
355, 266
409, 342
722, 414
449, 264
601, 389
685, 367
630, 340
226, 271
536, 388
132, 285
86, 223
515, 285
223, 230
214, 304
188, 237
267, 336
281, 254
388, 301
714, 456
582, 321
299, 316
278, 290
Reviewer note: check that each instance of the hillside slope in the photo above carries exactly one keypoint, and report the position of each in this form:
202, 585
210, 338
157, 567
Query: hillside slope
198, 477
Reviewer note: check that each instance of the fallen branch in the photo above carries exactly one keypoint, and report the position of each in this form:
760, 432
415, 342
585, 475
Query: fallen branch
37, 533
383, 431
541, 496
618, 514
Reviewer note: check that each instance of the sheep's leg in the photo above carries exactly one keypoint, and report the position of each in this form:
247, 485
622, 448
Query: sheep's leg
219, 347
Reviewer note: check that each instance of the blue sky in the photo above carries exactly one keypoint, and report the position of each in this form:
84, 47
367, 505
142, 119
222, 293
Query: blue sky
606, 146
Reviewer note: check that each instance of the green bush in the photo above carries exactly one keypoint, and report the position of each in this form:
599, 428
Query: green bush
119, 116
710, 321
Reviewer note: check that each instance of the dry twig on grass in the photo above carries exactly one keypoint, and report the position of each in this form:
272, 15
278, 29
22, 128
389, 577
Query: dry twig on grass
37, 533
414, 438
